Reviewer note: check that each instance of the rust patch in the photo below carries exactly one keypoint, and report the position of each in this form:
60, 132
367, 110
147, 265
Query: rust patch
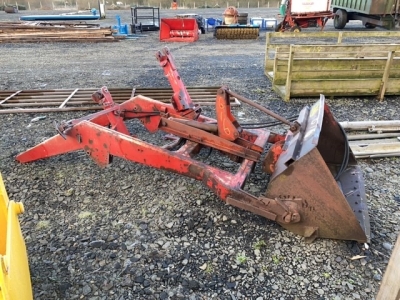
272, 157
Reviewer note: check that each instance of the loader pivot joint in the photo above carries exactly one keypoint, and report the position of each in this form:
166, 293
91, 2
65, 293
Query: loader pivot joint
295, 126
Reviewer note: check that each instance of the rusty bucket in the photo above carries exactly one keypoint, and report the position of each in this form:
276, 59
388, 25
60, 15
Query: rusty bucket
318, 168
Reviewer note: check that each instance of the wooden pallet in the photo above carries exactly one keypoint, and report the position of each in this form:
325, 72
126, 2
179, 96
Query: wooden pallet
331, 63
80, 99
337, 70
280, 39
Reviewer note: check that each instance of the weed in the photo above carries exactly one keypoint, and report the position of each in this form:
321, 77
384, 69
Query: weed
326, 275
241, 258
264, 268
259, 91
144, 212
42, 224
84, 214
259, 244
209, 269
275, 259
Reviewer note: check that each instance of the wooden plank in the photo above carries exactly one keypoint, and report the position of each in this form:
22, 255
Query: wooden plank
275, 68
336, 87
334, 69
313, 88
332, 35
342, 60
280, 76
318, 48
289, 76
340, 37
385, 76
393, 87
380, 148
390, 286
378, 55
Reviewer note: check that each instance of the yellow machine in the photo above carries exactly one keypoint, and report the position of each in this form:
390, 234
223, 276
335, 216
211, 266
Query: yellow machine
15, 282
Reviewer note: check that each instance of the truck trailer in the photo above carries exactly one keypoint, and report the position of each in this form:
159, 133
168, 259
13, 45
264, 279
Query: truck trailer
372, 13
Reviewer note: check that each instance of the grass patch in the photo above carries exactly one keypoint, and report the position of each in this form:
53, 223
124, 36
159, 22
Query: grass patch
42, 224
276, 259
259, 244
84, 214
241, 258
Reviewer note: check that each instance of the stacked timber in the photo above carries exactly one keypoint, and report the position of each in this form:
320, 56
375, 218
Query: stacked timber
20, 32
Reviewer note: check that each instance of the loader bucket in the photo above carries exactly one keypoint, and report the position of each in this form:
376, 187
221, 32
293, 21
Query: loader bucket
179, 30
318, 167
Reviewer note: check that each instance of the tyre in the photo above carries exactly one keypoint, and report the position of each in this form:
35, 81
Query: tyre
203, 30
369, 25
340, 19
295, 29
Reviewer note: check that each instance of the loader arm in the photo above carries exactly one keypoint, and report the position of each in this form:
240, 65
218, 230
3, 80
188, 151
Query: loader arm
316, 188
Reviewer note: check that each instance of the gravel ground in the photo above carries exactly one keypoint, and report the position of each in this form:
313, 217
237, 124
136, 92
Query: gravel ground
131, 232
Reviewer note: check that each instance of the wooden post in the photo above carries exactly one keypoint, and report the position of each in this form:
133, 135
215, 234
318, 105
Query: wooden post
275, 66
266, 49
340, 37
29, 5
385, 76
289, 74
390, 286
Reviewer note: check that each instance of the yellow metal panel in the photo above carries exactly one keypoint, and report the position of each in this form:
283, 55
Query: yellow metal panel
15, 282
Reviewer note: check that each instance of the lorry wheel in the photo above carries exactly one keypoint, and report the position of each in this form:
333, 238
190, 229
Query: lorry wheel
295, 29
340, 19
369, 25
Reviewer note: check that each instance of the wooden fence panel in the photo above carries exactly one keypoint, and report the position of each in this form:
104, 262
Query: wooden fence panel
336, 70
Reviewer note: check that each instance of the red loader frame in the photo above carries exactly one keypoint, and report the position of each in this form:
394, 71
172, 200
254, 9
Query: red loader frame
306, 164
104, 134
